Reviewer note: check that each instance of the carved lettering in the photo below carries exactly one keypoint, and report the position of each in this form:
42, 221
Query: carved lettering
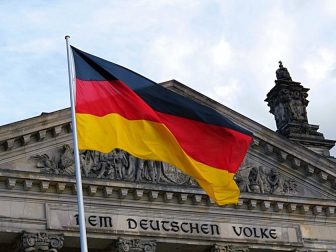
182, 227
163, 225
255, 232
77, 220
272, 233
174, 226
263, 233
214, 229
132, 224
237, 233
205, 228
194, 226
247, 231
143, 224
105, 221
92, 220
157, 227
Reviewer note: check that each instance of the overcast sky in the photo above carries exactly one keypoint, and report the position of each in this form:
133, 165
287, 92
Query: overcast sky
227, 50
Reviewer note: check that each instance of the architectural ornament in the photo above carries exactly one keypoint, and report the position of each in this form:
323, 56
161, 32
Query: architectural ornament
228, 248
38, 242
116, 165
121, 166
259, 179
282, 73
136, 245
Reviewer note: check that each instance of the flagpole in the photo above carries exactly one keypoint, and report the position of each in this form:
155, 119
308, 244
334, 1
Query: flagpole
80, 203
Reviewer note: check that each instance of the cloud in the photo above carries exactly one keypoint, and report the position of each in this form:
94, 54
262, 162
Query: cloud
33, 46
221, 54
225, 93
225, 49
319, 65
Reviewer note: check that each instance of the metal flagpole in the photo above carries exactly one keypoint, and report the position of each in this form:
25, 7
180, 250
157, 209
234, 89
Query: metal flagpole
81, 216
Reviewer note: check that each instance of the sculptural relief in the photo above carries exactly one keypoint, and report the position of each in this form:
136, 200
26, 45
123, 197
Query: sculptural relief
64, 164
258, 179
29, 242
136, 245
120, 165
115, 165
229, 248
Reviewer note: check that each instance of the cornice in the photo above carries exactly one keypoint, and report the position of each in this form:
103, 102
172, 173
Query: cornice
175, 196
36, 129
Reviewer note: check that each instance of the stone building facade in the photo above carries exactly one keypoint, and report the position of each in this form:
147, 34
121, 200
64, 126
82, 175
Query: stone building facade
287, 180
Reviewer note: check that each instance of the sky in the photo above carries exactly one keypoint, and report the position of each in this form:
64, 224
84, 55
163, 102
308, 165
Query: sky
227, 50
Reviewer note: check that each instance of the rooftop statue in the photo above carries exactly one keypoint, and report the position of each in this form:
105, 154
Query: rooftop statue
282, 73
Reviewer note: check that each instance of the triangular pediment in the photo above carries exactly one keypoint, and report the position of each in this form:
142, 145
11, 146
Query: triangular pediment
273, 167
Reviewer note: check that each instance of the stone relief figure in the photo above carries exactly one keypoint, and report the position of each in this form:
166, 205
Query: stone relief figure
254, 181
154, 170
104, 167
67, 160
171, 174
263, 176
87, 162
132, 166
241, 182
259, 179
140, 173
46, 164
62, 165
120, 162
275, 181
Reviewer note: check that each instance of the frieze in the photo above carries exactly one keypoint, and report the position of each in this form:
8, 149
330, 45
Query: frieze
256, 178
115, 165
122, 166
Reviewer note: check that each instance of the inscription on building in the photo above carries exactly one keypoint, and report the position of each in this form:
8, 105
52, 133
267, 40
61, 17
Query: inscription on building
256, 232
173, 226
97, 221
59, 219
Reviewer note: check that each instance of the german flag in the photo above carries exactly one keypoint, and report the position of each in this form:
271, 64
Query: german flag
118, 108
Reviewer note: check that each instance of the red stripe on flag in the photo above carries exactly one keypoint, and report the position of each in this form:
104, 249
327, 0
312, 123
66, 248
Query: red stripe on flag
220, 147
101, 98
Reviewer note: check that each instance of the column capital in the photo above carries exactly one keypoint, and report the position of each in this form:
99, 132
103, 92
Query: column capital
36, 242
135, 245
228, 248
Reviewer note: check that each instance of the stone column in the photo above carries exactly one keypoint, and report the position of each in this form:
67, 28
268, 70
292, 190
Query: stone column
228, 248
37, 242
136, 245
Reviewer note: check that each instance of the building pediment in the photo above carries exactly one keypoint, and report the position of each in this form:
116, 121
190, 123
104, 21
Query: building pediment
288, 191
274, 165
